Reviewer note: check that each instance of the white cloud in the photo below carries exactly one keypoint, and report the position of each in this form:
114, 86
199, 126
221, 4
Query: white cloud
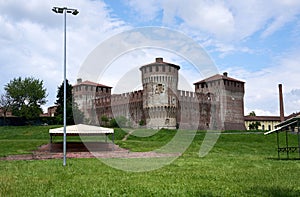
147, 9
213, 18
225, 21
123, 73
210, 17
261, 92
33, 38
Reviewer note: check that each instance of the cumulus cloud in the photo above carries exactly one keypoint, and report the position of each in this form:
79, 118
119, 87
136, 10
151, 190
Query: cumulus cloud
131, 49
32, 39
224, 21
149, 9
211, 17
261, 92
128, 78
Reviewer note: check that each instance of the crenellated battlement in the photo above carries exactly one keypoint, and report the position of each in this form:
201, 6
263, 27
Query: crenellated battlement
186, 96
118, 99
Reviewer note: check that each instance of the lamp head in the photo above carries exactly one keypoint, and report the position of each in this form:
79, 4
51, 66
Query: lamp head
75, 12
54, 10
68, 10
58, 10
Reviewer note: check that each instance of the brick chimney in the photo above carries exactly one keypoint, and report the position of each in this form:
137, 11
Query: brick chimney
225, 74
79, 80
159, 60
281, 107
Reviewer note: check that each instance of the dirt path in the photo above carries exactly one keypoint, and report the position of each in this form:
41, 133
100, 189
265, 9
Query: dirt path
87, 150
128, 134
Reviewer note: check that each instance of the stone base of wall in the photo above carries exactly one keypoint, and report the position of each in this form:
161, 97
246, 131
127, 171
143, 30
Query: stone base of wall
158, 123
234, 126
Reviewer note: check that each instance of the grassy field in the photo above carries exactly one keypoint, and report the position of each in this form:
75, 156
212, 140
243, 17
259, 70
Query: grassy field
238, 165
23, 139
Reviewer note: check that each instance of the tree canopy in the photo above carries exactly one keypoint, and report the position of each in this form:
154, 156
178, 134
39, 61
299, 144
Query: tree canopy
252, 113
254, 125
27, 96
74, 115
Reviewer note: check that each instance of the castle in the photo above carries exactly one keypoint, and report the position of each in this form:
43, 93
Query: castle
216, 104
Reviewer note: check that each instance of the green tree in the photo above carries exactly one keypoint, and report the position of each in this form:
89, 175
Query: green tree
104, 120
113, 123
74, 115
142, 122
252, 113
254, 125
27, 95
119, 121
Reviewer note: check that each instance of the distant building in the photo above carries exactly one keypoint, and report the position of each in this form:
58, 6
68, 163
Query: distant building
8, 113
52, 110
267, 123
217, 102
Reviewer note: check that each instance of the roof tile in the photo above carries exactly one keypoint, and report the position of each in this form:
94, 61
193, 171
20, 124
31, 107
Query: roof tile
216, 78
91, 84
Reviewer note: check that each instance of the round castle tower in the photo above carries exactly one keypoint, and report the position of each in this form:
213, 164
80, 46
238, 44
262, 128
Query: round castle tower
160, 103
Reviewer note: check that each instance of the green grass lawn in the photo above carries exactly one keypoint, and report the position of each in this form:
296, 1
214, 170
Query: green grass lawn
238, 165
23, 139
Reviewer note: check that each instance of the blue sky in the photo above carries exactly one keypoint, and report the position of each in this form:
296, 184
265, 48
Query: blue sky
254, 41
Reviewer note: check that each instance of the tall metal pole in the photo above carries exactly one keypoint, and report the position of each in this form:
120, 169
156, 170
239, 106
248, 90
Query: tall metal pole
278, 146
298, 125
287, 143
65, 10
65, 88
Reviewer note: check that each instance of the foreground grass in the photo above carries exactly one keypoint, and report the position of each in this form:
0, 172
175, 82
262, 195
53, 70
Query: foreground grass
238, 165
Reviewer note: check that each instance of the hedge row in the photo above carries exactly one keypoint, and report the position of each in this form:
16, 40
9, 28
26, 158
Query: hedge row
19, 121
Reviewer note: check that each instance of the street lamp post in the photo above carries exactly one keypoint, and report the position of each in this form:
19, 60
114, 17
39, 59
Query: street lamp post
65, 10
